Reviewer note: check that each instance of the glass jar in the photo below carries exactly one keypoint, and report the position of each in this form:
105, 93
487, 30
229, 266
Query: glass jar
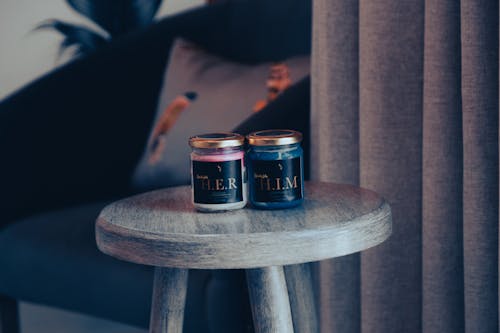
218, 171
275, 169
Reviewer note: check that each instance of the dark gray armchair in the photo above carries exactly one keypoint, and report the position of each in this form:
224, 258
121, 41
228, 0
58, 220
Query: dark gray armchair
68, 145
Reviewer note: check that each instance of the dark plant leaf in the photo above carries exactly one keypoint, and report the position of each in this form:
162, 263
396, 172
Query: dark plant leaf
117, 16
144, 11
84, 40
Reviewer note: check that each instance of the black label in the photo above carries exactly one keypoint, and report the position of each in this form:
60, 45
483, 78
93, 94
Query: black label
217, 182
277, 181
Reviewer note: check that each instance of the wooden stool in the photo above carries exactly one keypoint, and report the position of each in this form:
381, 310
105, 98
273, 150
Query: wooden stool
162, 229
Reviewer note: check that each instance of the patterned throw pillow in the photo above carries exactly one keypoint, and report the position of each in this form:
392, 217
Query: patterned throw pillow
205, 93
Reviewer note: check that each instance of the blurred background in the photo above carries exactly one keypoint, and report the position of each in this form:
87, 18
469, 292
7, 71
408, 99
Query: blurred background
26, 54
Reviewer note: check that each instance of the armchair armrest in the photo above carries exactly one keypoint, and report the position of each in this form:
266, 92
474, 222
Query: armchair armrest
73, 135
76, 134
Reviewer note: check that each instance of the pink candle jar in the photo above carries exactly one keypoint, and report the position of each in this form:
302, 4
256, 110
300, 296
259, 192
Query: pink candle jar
218, 171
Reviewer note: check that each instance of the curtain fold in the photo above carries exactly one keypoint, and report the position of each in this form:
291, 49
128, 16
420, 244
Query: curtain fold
442, 243
390, 78
405, 102
479, 39
337, 70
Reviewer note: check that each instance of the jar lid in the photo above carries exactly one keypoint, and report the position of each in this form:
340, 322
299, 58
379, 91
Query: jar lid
217, 140
276, 137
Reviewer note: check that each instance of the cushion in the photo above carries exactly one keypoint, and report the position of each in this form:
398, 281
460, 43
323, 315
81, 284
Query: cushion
291, 110
205, 93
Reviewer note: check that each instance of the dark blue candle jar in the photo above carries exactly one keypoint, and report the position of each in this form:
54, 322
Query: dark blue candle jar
275, 169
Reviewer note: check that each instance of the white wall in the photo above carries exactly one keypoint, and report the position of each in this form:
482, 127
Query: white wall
25, 55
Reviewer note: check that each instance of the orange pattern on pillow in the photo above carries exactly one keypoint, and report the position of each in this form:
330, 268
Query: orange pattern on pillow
167, 121
277, 82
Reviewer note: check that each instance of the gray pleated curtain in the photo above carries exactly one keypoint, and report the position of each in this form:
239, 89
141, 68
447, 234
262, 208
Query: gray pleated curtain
405, 102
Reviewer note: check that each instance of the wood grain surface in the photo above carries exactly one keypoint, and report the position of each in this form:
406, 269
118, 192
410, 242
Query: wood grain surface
169, 299
301, 295
269, 300
161, 228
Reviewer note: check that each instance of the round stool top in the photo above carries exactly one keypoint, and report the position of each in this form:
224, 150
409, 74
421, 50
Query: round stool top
161, 228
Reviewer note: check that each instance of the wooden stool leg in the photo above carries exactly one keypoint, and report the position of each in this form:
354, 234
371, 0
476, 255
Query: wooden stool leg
9, 315
169, 299
300, 293
269, 300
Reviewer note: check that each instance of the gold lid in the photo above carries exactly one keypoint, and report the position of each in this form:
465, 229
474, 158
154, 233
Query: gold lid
217, 140
277, 137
